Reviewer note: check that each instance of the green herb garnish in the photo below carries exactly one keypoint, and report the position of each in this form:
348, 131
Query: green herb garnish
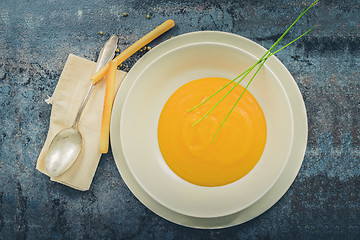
261, 61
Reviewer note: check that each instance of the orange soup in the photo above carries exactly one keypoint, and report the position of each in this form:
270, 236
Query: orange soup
189, 151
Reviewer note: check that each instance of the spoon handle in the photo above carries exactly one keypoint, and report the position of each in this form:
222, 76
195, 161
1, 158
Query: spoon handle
106, 54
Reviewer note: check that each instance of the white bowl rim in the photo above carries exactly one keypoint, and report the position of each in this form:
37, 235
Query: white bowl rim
150, 193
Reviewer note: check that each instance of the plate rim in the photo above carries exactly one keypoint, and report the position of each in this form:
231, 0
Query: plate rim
270, 198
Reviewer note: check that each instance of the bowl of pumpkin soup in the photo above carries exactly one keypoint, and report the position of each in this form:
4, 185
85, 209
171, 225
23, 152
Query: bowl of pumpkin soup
183, 166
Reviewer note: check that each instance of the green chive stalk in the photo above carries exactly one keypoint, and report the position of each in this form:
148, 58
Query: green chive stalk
261, 61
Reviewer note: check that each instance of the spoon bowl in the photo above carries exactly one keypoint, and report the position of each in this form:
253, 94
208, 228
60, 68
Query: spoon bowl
64, 149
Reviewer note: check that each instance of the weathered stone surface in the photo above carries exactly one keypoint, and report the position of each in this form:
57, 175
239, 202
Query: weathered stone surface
35, 40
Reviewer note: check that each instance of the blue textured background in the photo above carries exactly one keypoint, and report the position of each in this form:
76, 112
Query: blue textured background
36, 37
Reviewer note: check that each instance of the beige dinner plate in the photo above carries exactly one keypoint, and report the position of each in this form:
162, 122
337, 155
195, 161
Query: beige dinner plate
296, 154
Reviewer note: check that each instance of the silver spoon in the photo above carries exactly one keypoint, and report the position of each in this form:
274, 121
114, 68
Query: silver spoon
66, 145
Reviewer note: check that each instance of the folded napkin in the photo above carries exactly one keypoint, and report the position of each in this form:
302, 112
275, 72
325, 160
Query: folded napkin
68, 95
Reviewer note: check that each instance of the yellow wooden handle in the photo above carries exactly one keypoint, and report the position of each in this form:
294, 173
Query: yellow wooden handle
167, 25
108, 102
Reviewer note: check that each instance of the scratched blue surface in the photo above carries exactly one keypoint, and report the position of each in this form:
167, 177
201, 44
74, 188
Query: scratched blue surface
35, 40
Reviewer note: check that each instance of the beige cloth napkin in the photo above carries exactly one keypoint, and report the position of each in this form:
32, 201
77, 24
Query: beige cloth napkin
69, 93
